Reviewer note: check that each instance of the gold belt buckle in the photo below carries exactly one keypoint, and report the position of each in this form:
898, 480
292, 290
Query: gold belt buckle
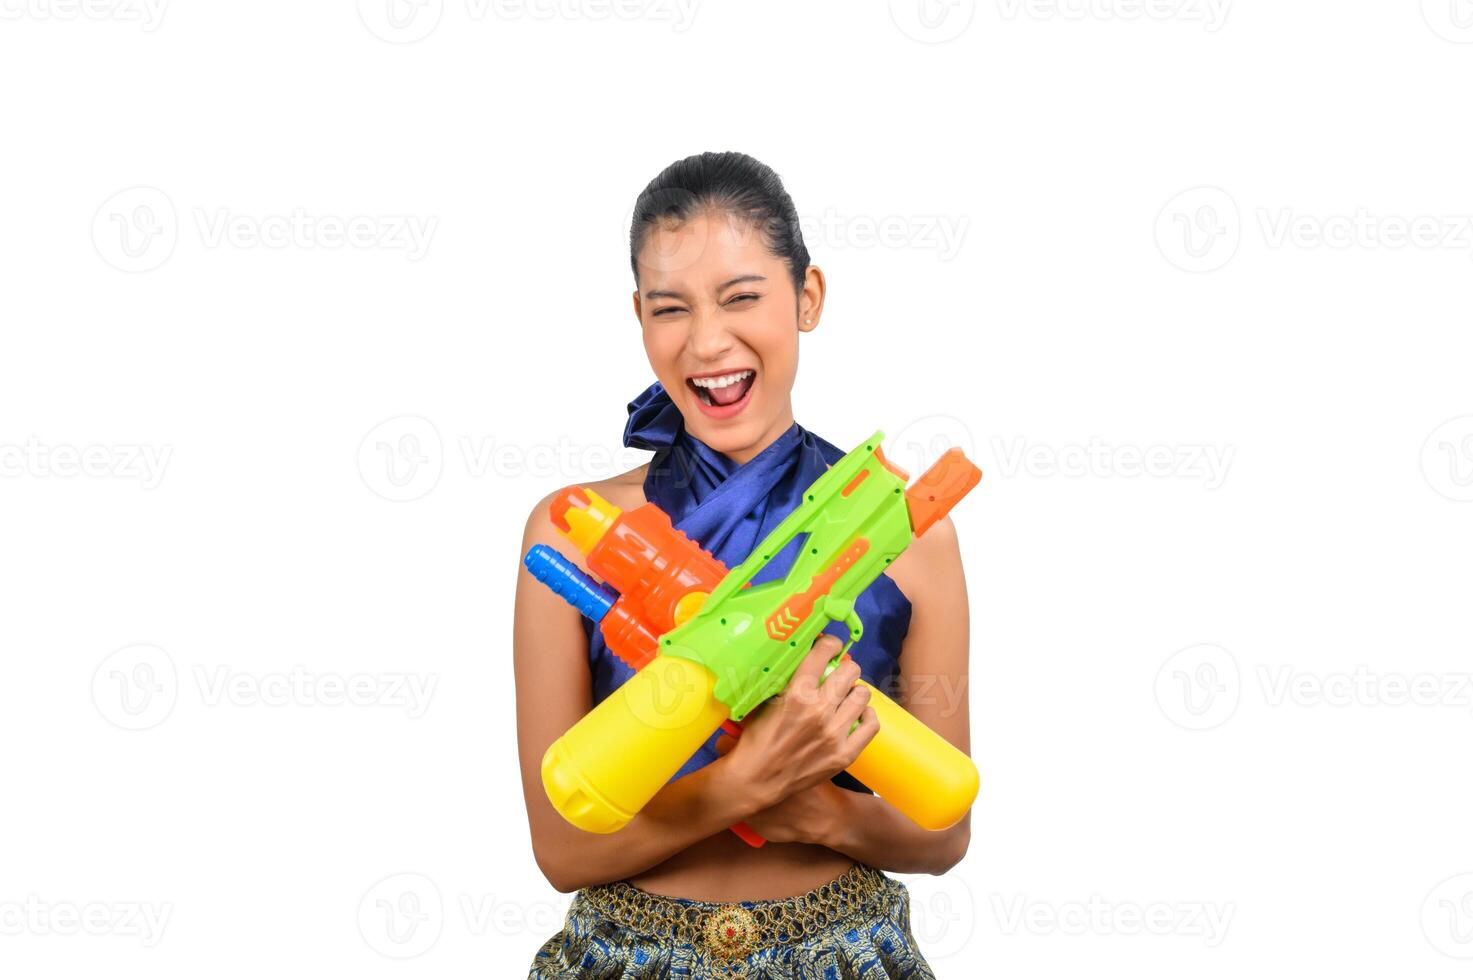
730, 931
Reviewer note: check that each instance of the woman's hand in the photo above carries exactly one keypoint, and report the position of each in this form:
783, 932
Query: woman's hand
800, 738
809, 816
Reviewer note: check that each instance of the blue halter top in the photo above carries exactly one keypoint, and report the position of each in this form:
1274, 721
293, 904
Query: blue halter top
728, 508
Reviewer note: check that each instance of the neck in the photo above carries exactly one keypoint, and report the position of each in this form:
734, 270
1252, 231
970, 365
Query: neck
781, 424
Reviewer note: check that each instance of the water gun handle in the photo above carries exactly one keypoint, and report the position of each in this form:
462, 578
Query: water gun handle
748, 836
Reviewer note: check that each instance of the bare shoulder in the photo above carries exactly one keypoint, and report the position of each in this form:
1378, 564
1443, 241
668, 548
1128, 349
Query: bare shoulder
935, 553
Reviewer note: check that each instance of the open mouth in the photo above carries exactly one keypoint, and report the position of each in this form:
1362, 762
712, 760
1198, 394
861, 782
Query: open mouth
723, 394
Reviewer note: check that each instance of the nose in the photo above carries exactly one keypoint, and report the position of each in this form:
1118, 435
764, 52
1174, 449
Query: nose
708, 340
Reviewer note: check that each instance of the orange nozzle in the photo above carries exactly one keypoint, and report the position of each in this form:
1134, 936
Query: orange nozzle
583, 516
946, 482
558, 509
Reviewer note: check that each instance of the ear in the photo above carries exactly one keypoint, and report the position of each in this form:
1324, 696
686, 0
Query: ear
638, 308
810, 300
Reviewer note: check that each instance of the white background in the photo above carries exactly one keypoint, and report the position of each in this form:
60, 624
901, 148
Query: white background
241, 468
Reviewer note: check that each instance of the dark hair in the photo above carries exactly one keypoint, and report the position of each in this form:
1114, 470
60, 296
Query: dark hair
729, 182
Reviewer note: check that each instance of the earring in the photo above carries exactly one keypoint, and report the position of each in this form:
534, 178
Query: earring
808, 320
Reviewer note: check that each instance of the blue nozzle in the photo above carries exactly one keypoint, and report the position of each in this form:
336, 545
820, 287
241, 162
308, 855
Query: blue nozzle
553, 569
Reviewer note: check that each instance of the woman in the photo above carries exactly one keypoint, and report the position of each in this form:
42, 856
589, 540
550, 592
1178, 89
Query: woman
723, 289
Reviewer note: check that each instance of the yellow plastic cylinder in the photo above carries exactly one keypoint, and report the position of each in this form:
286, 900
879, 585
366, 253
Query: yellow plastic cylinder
914, 769
604, 769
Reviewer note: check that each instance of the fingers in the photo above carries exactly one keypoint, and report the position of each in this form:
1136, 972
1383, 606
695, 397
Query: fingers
824, 649
839, 684
869, 727
852, 705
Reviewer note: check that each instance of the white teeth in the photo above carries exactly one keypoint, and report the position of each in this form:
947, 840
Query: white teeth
721, 381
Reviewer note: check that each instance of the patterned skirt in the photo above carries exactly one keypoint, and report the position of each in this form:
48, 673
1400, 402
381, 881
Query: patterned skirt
856, 927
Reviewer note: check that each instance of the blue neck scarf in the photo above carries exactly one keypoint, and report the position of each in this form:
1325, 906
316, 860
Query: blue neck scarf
728, 508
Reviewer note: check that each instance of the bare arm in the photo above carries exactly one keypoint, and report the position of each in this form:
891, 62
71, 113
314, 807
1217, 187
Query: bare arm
553, 687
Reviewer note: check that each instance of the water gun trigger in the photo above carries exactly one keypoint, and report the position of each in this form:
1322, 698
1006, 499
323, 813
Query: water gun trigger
842, 611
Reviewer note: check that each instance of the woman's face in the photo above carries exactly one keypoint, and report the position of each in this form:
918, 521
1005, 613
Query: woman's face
721, 322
